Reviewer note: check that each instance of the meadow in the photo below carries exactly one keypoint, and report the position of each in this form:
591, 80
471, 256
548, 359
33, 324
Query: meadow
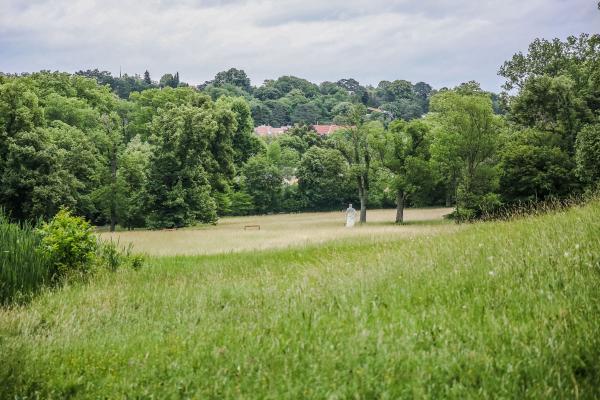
234, 234
491, 310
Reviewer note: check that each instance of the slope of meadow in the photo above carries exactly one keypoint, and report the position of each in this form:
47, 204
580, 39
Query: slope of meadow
494, 310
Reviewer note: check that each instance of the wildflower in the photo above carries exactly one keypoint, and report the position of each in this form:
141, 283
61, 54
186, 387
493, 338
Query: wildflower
567, 254
491, 273
577, 246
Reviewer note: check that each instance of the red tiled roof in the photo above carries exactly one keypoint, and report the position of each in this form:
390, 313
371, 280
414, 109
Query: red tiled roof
267, 130
326, 129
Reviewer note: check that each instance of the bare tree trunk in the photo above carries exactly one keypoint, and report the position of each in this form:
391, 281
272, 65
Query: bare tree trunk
400, 199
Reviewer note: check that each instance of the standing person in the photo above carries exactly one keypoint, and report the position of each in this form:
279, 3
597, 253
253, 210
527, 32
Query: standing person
350, 216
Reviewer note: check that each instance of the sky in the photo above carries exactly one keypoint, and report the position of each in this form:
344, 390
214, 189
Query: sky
442, 42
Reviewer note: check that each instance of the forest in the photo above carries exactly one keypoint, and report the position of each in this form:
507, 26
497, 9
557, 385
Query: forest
134, 152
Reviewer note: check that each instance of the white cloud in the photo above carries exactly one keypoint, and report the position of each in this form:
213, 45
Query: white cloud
439, 42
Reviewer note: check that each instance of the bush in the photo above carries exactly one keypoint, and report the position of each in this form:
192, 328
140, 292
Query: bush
111, 256
23, 268
70, 245
60, 249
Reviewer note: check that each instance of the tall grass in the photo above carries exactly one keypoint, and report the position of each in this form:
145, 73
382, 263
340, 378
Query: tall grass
23, 268
495, 310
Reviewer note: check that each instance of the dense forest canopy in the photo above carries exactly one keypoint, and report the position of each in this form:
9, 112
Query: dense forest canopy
137, 152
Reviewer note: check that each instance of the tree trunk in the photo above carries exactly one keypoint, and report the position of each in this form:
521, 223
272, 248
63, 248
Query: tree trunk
363, 208
362, 195
113, 175
400, 199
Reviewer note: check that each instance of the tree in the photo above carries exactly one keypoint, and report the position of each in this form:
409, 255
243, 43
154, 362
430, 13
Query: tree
244, 142
134, 163
169, 80
263, 183
147, 79
587, 155
404, 151
533, 166
308, 113
552, 105
576, 57
467, 137
178, 187
110, 194
235, 77
353, 143
323, 178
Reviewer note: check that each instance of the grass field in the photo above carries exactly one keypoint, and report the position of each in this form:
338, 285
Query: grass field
492, 310
281, 230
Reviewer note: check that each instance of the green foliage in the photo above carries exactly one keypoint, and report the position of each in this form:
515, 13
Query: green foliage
241, 203
552, 104
70, 245
465, 143
188, 150
235, 77
404, 152
587, 154
24, 269
323, 179
112, 256
534, 167
263, 183
354, 143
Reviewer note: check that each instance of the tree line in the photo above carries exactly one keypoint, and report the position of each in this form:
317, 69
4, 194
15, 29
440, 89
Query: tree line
171, 155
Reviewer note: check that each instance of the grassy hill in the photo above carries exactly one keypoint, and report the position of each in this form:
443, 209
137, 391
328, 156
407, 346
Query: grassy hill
494, 310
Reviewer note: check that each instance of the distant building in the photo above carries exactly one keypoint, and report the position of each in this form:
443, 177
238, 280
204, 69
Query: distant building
269, 131
324, 130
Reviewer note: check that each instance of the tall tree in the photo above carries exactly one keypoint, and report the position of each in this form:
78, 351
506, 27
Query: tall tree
262, 181
323, 178
147, 79
178, 184
110, 194
353, 143
404, 151
467, 133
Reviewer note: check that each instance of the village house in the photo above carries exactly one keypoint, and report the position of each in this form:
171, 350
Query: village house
269, 131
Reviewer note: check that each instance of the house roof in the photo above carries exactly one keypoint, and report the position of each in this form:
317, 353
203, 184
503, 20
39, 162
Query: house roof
326, 129
267, 130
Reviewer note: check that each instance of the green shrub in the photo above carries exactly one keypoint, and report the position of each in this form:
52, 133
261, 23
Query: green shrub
70, 245
111, 256
23, 268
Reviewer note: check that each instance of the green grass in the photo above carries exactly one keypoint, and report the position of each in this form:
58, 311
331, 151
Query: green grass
23, 269
494, 310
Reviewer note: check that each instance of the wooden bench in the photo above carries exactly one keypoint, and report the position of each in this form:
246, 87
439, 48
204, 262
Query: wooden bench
246, 227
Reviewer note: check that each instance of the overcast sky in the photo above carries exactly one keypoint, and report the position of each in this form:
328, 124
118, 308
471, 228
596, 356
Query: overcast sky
441, 42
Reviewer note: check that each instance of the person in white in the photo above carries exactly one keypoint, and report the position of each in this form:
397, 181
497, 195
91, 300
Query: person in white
350, 216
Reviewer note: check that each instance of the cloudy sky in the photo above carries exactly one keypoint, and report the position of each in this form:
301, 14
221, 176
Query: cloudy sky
442, 42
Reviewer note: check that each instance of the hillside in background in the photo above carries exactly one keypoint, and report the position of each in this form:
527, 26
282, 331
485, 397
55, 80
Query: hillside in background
290, 100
